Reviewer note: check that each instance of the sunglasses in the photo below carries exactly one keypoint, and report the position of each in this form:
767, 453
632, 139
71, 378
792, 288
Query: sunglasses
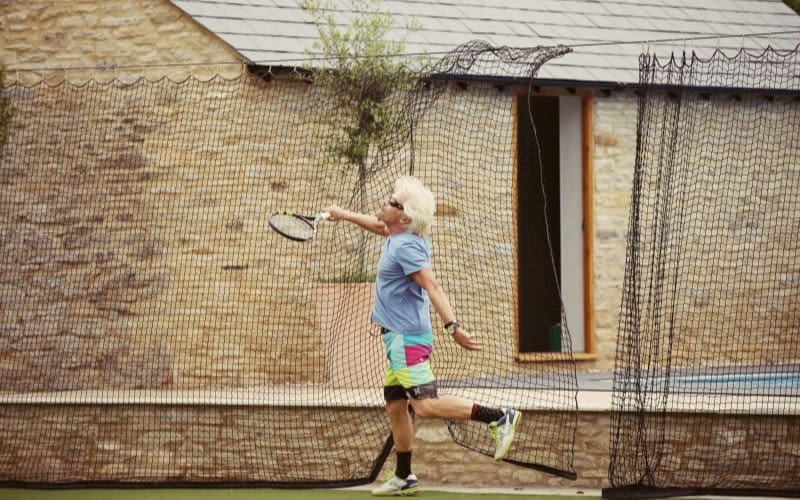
396, 204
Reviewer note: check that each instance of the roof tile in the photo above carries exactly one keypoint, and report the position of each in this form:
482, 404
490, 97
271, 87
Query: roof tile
603, 33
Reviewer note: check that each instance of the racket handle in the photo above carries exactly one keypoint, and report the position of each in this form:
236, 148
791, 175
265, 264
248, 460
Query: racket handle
324, 215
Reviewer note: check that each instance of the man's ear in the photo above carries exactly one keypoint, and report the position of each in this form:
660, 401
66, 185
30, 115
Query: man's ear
405, 220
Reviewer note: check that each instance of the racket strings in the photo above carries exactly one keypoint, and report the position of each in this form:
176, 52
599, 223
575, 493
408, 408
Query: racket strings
292, 227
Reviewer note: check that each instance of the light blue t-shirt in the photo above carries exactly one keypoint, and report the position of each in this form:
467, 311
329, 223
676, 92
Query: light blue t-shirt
401, 305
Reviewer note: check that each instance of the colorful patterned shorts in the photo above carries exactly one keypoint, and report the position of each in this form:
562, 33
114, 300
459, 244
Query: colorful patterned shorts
409, 364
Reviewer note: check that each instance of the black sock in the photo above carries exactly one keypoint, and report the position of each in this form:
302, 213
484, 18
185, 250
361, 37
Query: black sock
485, 415
403, 464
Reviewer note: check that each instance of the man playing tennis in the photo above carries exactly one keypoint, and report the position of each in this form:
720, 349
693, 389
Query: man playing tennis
405, 288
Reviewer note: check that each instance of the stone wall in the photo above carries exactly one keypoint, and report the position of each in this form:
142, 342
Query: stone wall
136, 250
716, 268
613, 160
105, 40
158, 39
75, 443
215, 444
138, 258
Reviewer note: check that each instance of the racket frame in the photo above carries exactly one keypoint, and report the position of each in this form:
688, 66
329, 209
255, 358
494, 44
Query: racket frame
311, 220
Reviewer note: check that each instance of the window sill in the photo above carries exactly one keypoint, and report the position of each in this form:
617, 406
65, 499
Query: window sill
539, 357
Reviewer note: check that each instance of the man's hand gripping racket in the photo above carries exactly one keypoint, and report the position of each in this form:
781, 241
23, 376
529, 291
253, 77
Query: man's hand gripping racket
296, 227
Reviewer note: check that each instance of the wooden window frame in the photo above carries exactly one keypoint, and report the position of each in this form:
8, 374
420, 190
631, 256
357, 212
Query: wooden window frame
587, 195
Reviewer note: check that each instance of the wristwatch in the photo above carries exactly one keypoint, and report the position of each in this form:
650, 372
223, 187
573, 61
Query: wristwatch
452, 326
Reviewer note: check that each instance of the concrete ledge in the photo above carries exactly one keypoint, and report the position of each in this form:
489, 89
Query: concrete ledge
322, 396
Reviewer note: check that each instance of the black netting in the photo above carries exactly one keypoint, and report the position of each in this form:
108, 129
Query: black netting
154, 329
708, 366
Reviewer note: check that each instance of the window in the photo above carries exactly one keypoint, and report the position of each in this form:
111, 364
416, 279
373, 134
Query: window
561, 182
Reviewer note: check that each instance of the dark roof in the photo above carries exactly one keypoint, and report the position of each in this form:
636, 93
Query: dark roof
607, 37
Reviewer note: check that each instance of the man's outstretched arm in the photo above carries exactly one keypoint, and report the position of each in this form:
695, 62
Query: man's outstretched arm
368, 222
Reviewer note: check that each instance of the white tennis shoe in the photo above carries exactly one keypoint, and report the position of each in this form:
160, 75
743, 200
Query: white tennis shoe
503, 431
396, 487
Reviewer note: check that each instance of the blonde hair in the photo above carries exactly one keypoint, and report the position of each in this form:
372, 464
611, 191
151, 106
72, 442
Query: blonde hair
418, 203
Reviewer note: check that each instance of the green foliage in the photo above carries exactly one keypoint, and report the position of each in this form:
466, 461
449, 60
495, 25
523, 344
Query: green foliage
366, 76
350, 277
6, 112
363, 69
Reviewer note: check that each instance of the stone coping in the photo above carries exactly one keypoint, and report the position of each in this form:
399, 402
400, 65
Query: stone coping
320, 396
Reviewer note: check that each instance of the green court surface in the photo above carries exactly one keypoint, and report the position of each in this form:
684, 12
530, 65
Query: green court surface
248, 494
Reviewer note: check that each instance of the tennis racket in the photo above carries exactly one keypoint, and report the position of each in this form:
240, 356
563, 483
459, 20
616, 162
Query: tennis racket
297, 227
